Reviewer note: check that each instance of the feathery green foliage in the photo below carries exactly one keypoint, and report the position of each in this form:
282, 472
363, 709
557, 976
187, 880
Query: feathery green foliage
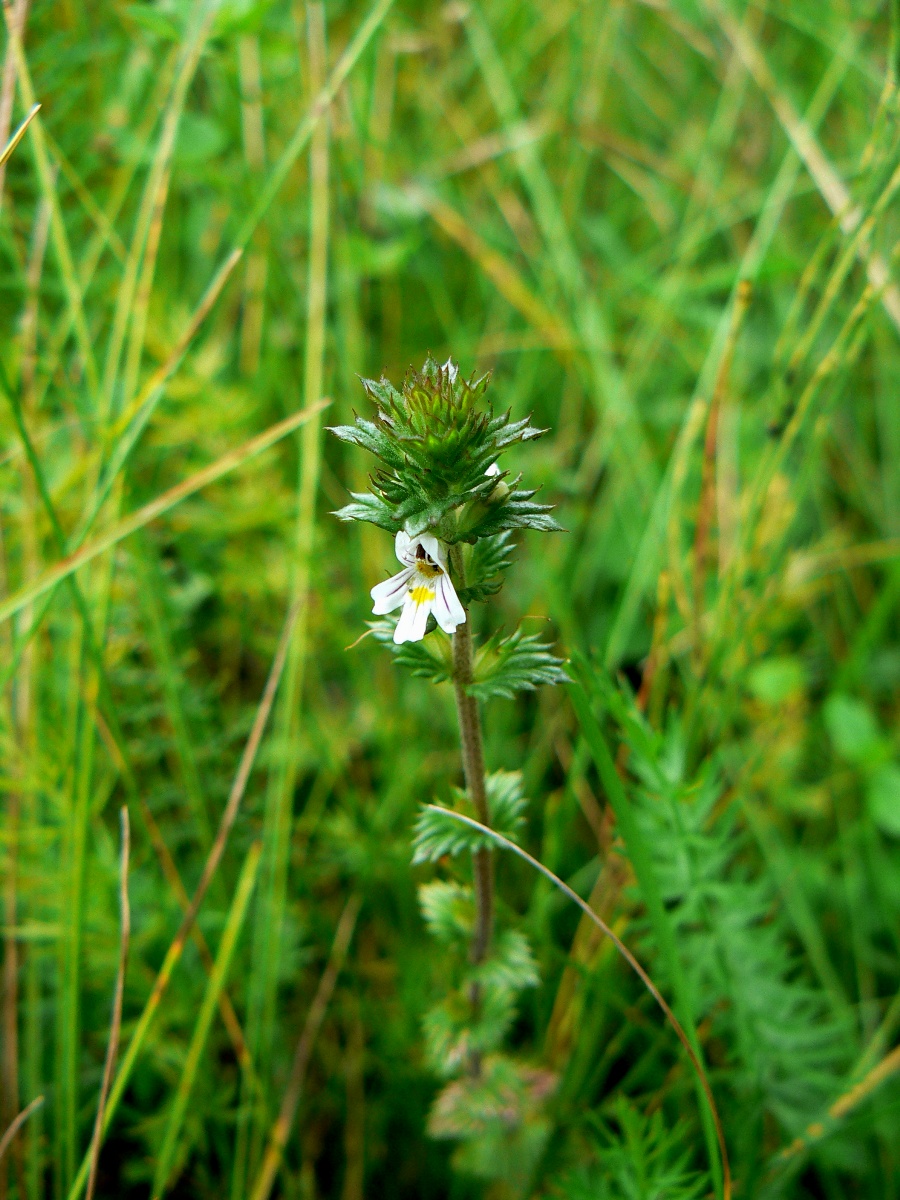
637, 1158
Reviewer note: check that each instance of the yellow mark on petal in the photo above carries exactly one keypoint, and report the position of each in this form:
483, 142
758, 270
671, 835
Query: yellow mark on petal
428, 569
422, 594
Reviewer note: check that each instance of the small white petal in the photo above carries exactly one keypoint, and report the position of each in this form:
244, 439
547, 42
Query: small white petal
404, 625
493, 469
413, 619
420, 620
405, 548
448, 612
391, 593
451, 368
433, 548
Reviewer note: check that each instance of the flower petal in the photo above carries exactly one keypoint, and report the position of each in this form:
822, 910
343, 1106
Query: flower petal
391, 593
405, 548
435, 550
411, 626
448, 612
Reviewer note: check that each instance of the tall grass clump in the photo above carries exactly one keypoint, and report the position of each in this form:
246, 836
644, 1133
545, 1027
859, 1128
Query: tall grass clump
330, 949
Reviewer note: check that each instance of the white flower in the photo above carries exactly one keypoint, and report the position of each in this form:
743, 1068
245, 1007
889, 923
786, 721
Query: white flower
423, 586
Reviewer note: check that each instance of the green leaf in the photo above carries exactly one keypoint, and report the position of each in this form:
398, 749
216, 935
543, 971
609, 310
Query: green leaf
506, 802
372, 438
438, 834
510, 964
379, 257
434, 517
367, 507
448, 910
883, 798
154, 21
453, 1033
240, 16
517, 511
490, 556
853, 729
431, 658
514, 664
776, 679
383, 392
503, 1096
639, 1159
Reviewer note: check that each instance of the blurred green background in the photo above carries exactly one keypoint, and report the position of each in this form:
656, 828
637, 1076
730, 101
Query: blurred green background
668, 228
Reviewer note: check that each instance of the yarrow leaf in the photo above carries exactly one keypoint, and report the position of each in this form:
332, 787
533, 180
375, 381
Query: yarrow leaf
641, 1157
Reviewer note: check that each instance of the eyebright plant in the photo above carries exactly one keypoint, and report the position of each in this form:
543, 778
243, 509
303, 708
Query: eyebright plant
441, 491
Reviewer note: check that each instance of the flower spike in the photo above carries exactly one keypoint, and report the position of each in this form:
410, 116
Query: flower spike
440, 484
437, 442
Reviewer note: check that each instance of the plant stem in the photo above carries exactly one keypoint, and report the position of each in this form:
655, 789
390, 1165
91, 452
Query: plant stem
473, 770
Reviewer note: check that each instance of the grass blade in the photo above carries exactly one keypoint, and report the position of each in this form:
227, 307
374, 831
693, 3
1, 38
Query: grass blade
230, 935
7, 150
6, 1140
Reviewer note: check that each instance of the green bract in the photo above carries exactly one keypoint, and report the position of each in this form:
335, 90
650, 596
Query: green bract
436, 440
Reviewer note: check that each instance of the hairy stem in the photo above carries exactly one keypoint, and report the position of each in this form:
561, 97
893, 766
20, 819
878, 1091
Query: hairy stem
473, 770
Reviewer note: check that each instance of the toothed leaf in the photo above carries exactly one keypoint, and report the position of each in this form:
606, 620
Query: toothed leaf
510, 965
438, 834
448, 910
514, 664
490, 556
366, 507
431, 658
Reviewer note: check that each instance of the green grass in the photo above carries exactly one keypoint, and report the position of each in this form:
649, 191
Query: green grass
669, 230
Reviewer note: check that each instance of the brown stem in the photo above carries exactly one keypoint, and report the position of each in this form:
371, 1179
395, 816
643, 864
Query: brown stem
115, 1030
473, 771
